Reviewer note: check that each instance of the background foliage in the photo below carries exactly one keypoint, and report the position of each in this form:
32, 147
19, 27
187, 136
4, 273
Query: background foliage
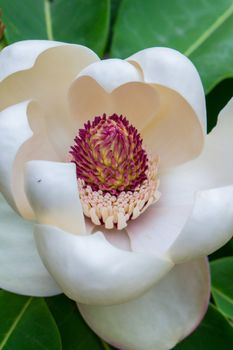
203, 31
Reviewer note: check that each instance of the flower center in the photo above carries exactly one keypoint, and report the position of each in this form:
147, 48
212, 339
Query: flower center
116, 178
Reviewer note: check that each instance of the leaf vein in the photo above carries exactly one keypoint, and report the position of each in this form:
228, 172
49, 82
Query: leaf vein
48, 19
15, 323
228, 13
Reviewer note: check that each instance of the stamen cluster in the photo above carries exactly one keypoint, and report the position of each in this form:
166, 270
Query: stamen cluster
117, 181
109, 156
109, 210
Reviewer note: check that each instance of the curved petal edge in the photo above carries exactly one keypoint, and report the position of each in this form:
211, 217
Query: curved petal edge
209, 226
160, 318
92, 271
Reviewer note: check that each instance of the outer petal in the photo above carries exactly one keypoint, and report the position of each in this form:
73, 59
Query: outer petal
22, 55
209, 227
14, 131
160, 318
25, 65
18, 145
171, 131
53, 194
169, 68
21, 269
49, 69
92, 271
119, 239
176, 133
157, 228
213, 168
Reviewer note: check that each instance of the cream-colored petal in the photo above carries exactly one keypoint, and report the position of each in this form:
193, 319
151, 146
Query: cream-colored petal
47, 75
209, 227
213, 168
52, 191
175, 133
22, 55
111, 73
169, 68
178, 186
118, 238
157, 228
160, 318
21, 269
18, 145
92, 271
136, 101
166, 119
14, 131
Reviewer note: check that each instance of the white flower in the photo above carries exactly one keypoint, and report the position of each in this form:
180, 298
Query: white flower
143, 284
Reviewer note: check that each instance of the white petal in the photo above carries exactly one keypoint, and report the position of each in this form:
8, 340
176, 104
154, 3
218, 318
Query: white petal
21, 269
18, 145
175, 133
167, 123
111, 73
22, 55
118, 238
52, 191
14, 131
139, 107
209, 227
90, 270
161, 317
213, 168
169, 68
47, 75
157, 228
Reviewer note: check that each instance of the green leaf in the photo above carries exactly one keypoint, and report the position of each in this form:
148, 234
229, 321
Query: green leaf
76, 21
26, 324
214, 333
202, 30
226, 250
222, 284
75, 333
114, 9
216, 100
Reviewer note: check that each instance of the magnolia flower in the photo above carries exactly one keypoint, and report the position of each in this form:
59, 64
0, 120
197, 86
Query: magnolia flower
109, 177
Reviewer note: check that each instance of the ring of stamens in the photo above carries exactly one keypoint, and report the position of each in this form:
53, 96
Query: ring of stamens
117, 180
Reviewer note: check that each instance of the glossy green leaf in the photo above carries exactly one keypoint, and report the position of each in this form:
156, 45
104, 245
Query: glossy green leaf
114, 8
75, 333
222, 284
216, 100
202, 30
76, 21
214, 333
26, 324
226, 250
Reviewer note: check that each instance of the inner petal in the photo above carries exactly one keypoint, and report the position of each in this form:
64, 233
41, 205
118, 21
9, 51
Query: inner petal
117, 179
142, 100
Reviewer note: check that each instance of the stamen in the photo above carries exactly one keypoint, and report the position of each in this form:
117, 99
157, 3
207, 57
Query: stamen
117, 180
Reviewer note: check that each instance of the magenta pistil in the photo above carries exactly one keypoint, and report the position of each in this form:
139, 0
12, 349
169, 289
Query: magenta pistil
109, 156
